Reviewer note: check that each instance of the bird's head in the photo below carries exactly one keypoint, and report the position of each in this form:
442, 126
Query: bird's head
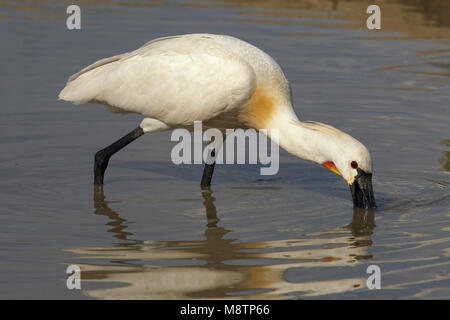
351, 160
345, 156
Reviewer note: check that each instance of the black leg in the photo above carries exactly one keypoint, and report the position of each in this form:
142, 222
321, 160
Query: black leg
208, 172
102, 157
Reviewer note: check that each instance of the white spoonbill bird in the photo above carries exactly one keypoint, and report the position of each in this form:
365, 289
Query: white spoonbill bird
223, 82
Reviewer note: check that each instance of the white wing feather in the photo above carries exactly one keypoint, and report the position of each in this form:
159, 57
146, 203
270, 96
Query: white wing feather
176, 80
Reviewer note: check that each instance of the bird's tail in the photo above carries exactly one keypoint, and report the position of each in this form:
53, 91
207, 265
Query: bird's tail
86, 85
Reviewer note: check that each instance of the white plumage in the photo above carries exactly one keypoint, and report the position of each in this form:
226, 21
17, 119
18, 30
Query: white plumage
220, 80
178, 80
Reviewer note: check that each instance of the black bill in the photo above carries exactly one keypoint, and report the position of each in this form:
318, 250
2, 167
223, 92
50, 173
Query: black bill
362, 191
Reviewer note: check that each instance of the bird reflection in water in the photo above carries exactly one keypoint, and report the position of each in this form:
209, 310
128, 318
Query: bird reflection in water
445, 159
116, 222
225, 268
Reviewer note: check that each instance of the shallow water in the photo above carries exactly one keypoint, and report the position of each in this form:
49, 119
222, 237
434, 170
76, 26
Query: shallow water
152, 233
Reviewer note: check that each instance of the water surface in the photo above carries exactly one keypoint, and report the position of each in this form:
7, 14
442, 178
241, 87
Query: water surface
151, 232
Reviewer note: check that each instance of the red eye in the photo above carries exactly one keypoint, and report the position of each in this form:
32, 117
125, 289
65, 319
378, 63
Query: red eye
354, 164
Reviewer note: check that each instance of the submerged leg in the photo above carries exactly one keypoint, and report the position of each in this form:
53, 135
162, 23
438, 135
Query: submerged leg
208, 172
102, 156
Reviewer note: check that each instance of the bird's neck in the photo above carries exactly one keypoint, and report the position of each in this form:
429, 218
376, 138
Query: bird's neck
303, 140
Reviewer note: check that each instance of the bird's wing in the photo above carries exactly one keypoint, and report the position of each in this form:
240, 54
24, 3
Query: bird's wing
176, 80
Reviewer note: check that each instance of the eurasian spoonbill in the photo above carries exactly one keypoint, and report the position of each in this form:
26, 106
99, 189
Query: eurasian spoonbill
223, 82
